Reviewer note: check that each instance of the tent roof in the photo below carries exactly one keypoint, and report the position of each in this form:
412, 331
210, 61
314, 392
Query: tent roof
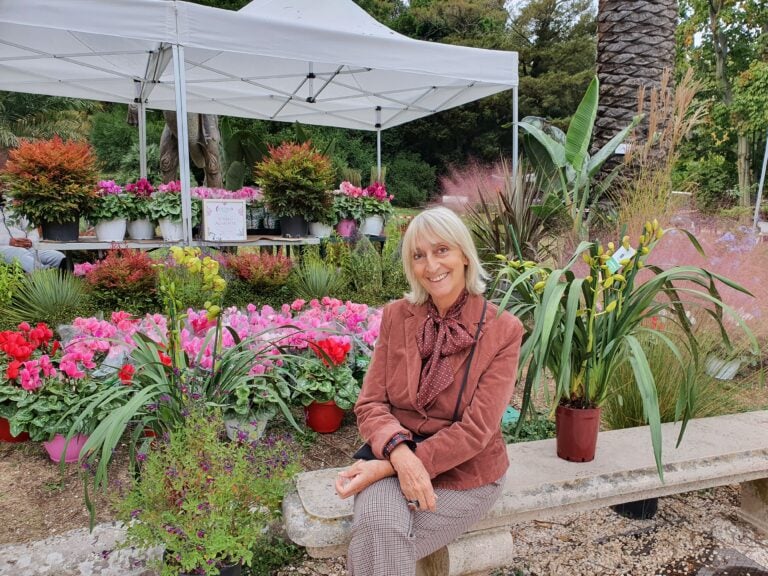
314, 61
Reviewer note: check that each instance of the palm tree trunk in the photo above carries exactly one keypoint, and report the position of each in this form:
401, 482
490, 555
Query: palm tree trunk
635, 43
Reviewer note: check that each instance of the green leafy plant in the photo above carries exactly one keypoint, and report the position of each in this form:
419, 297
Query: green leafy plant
205, 501
562, 161
711, 397
110, 207
515, 220
168, 205
317, 382
263, 271
581, 330
315, 279
11, 276
296, 180
124, 280
51, 180
51, 296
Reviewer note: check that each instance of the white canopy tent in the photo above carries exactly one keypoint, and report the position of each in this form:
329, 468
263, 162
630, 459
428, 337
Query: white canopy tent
323, 62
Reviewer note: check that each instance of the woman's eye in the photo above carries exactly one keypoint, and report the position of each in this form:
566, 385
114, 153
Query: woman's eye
417, 256
442, 250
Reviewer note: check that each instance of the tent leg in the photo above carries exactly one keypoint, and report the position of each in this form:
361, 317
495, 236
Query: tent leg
182, 132
142, 140
761, 185
378, 155
515, 121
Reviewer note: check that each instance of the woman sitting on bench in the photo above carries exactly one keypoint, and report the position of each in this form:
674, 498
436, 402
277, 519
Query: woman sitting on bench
442, 374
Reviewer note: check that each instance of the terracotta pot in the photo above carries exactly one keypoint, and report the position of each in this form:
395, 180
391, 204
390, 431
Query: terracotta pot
323, 417
55, 448
576, 431
5, 433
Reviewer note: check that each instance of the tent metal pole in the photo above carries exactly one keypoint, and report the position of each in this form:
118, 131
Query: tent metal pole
515, 121
142, 140
761, 185
182, 131
378, 143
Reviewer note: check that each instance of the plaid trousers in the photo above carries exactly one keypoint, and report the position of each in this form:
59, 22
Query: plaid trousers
388, 538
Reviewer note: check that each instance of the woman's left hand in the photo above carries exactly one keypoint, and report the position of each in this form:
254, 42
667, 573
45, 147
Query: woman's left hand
360, 475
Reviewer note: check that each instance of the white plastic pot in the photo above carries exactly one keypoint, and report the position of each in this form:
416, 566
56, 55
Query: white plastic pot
372, 226
171, 230
111, 230
141, 229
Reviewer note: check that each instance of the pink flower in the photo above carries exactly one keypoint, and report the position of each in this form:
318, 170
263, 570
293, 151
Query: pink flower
298, 304
83, 269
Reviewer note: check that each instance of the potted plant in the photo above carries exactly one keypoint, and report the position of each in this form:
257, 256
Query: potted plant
348, 206
140, 224
295, 179
204, 500
376, 209
163, 372
36, 397
165, 208
110, 212
51, 184
581, 329
325, 385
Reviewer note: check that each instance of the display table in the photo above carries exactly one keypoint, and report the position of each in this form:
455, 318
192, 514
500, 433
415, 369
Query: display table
90, 243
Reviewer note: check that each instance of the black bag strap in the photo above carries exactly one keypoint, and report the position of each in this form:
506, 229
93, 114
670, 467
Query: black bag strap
469, 363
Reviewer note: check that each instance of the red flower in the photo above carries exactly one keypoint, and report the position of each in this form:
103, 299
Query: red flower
13, 370
126, 374
165, 359
331, 348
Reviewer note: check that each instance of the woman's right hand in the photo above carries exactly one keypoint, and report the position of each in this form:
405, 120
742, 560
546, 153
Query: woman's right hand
360, 475
413, 477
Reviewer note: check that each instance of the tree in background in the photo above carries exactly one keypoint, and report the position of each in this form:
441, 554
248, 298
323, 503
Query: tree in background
36, 116
726, 42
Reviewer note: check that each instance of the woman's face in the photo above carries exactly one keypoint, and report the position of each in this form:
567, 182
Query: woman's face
439, 268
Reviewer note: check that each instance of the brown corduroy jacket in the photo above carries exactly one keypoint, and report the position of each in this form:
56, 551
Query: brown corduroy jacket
458, 455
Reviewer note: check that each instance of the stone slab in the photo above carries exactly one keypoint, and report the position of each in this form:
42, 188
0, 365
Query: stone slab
715, 451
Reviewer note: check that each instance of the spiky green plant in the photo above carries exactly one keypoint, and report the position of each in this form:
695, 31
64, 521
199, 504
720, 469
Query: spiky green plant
51, 296
315, 279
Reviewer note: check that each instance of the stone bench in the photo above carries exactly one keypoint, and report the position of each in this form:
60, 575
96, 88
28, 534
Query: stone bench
715, 451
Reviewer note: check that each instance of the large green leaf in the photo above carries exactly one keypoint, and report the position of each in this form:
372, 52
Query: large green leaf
555, 150
579, 133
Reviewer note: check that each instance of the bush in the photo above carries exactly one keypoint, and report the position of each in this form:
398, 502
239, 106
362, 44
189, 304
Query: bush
262, 271
410, 179
10, 277
49, 296
315, 279
124, 280
240, 293
51, 180
711, 178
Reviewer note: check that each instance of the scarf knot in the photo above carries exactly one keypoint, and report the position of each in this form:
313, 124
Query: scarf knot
438, 338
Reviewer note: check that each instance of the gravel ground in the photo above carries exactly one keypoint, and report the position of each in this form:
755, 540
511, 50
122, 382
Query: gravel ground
695, 534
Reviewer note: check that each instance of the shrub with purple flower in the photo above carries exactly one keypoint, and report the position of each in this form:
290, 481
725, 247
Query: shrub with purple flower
216, 505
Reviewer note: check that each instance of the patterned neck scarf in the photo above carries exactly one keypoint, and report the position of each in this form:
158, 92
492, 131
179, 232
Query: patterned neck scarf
438, 338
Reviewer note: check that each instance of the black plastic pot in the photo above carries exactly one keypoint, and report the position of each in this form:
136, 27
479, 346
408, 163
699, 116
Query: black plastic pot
61, 231
638, 509
294, 227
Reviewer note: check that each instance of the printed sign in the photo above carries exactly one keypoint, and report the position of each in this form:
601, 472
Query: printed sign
224, 220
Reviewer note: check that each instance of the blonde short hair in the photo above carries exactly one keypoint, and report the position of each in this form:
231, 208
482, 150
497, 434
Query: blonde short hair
444, 225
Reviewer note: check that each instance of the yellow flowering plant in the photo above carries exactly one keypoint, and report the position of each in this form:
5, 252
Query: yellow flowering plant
581, 329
